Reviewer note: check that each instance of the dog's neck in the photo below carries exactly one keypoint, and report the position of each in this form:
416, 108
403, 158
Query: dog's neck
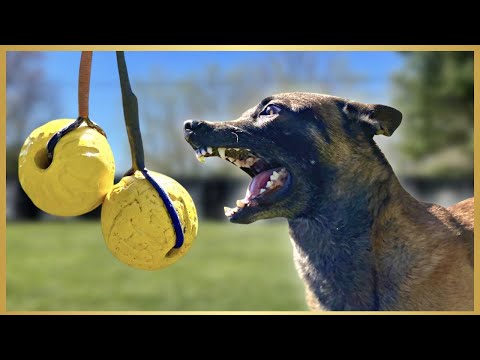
333, 245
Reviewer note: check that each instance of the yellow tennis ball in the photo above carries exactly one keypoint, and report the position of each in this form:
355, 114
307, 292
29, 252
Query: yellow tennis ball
80, 175
137, 227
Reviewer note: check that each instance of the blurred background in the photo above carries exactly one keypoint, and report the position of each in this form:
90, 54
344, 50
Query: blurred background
58, 263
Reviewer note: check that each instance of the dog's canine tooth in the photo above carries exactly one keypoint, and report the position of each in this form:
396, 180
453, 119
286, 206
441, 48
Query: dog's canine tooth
209, 150
274, 176
221, 152
269, 184
231, 211
240, 204
200, 157
262, 191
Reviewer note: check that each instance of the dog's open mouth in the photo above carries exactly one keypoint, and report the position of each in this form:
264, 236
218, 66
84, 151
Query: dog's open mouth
269, 180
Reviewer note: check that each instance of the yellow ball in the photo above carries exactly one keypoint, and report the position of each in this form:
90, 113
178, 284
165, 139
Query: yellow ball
80, 175
136, 225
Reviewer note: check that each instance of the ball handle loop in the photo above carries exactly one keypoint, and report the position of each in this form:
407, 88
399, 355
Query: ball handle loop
130, 112
83, 100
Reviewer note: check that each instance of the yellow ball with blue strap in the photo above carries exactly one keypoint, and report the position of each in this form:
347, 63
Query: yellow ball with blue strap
140, 222
149, 221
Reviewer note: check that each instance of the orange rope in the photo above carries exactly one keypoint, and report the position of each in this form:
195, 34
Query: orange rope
84, 83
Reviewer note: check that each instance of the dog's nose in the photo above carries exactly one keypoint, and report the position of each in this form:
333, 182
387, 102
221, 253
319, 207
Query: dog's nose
191, 125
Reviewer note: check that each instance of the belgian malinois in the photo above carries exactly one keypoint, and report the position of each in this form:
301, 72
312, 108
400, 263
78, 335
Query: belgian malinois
360, 240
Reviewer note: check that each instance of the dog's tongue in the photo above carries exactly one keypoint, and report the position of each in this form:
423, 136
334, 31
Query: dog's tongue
258, 182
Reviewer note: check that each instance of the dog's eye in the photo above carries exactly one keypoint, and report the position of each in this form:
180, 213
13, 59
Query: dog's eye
271, 110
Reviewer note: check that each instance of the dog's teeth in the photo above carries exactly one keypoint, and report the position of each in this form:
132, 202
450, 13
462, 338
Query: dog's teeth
236, 149
221, 152
274, 176
203, 151
200, 157
269, 184
240, 203
262, 191
233, 211
227, 209
209, 150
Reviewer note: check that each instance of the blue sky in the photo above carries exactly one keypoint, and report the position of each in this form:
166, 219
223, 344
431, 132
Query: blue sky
105, 98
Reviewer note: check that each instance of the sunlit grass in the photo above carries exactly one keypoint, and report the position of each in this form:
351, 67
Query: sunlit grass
66, 266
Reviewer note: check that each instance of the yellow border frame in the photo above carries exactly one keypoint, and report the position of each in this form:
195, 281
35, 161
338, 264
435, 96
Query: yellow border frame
3, 116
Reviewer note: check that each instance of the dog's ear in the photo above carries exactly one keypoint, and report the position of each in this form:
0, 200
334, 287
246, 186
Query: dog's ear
377, 119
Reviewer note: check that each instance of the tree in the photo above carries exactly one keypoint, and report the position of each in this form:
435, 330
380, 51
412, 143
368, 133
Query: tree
27, 92
435, 95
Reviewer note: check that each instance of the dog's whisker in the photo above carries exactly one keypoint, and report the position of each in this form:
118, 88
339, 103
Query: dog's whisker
234, 133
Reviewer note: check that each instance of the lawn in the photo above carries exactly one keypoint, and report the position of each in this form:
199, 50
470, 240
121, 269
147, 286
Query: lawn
66, 266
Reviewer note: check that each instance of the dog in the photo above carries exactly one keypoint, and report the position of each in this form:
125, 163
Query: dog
360, 240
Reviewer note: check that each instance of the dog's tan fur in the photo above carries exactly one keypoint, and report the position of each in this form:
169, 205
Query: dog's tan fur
442, 278
441, 238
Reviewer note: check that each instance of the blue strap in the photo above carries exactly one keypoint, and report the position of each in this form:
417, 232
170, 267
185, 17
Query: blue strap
59, 134
170, 208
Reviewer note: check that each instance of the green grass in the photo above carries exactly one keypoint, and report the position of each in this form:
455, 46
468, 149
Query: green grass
66, 266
